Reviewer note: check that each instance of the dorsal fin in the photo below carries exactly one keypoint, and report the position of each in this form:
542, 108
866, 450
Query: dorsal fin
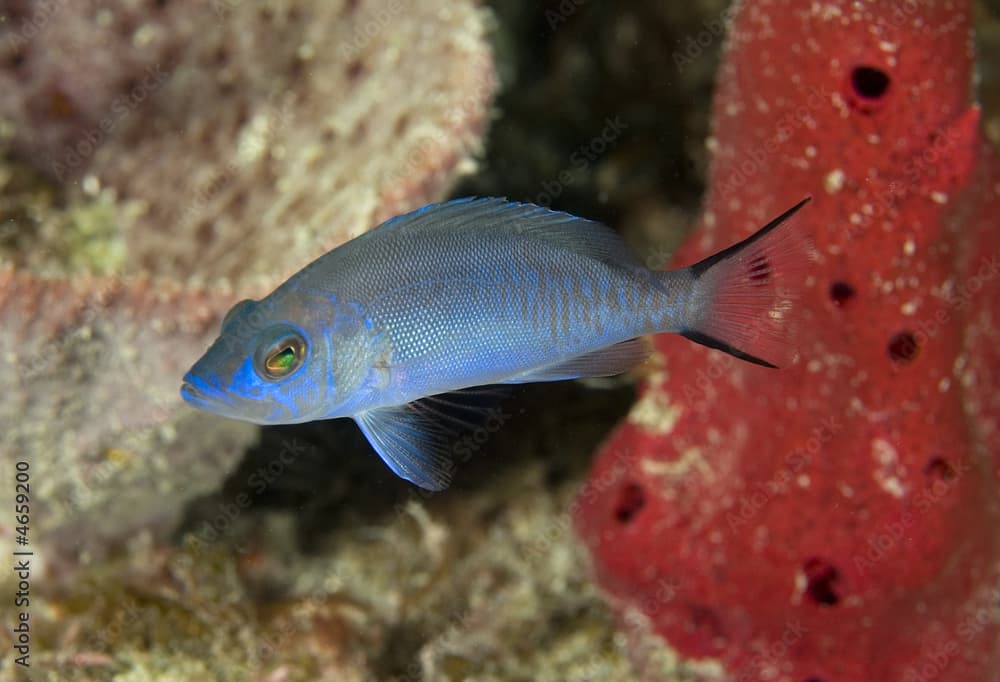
582, 236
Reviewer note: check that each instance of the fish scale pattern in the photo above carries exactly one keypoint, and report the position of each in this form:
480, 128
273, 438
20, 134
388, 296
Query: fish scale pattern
464, 302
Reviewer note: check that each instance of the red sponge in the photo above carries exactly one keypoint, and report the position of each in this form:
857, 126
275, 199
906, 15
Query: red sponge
835, 521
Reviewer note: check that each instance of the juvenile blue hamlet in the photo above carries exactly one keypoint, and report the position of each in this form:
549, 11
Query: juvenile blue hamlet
469, 293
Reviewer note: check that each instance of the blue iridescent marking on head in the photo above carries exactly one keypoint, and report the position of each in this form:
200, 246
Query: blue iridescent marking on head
246, 380
211, 387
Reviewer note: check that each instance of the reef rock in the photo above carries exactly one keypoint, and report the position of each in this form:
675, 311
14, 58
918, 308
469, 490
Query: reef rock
90, 405
834, 520
216, 148
302, 122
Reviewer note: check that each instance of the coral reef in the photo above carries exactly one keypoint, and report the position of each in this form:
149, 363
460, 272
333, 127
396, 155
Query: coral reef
191, 168
834, 520
92, 404
355, 112
311, 561
483, 584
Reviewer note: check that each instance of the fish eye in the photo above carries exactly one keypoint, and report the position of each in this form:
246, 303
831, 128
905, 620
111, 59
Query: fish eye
281, 357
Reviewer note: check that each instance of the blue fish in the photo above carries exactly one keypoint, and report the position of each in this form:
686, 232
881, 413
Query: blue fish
391, 328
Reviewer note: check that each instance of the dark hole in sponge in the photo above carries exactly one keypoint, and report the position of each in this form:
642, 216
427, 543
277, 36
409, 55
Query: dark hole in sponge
903, 347
705, 619
813, 679
869, 82
631, 500
821, 582
841, 293
940, 469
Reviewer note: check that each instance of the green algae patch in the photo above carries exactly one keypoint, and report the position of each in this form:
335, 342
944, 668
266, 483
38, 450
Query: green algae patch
47, 230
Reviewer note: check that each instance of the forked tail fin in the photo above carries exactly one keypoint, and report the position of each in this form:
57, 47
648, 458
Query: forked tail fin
743, 295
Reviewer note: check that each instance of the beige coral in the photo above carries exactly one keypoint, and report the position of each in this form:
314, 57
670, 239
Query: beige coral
228, 144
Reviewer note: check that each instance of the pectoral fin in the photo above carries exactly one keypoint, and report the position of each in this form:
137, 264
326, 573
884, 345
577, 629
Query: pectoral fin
417, 440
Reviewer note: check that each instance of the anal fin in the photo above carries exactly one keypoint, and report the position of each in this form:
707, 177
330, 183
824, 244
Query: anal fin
604, 362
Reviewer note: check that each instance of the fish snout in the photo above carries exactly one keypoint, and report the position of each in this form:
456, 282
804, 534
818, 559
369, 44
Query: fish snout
198, 392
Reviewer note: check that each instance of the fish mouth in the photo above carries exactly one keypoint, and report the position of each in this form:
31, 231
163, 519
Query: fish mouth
205, 395
198, 393
193, 396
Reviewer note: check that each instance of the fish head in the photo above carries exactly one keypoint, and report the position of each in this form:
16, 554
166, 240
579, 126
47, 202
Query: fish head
271, 363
